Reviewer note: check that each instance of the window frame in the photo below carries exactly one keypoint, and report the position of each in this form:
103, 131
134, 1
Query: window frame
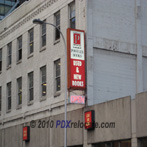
30, 88
43, 83
19, 48
58, 61
9, 96
70, 15
0, 98
57, 36
9, 54
19, 92
43, 34
31, 41
1, 61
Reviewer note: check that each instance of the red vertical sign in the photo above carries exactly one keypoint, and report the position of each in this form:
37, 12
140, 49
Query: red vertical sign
26, 133
89, 120
76, 59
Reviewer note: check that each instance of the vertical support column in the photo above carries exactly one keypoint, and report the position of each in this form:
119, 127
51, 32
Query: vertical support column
139, 72
133, 123
89, 51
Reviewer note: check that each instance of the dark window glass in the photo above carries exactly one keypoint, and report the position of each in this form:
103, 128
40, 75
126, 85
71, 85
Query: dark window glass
72, 16
57, 19
31, 41
0, 98
9, 95
19, 90
43, 37
43, 81
0, 60
19, 40
9, 52
57, 75
31, 86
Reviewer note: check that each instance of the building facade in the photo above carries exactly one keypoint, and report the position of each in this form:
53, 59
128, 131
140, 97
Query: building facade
32, 73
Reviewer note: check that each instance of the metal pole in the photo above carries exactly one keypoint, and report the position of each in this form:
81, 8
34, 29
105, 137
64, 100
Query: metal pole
65, 64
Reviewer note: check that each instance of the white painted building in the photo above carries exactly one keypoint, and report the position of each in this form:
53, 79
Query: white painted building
32, 57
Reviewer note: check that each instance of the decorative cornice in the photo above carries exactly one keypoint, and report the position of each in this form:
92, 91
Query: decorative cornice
24, 20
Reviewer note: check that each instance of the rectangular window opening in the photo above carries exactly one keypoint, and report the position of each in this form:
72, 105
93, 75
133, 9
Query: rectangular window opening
43, 81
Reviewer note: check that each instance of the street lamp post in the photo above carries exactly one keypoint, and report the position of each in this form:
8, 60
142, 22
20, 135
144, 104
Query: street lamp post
38, 21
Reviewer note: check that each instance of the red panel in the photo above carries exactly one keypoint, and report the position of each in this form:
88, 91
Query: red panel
88, 120
25, 133
77, 73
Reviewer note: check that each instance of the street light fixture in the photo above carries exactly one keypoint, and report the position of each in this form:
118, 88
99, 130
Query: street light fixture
38, 21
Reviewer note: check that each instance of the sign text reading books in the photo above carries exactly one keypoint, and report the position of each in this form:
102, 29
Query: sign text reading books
76, 59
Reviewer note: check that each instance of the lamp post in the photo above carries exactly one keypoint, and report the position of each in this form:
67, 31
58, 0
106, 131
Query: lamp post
38, 21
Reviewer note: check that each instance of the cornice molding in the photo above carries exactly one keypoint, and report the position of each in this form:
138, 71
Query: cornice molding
26, 19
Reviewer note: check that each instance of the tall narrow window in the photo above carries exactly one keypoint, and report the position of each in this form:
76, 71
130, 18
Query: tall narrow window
9, 95
43, 80
43, 34
9, 54
0, 60
0, 98
57, 23
57, 75
19, 90
31, 41
31, 86
72, 15
19, 51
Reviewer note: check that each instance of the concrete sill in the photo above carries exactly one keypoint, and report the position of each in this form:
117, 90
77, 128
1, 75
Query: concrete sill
43, 98
19, 61
56, 41
8, 67
43, 48
18, 107
8, 111
30, 103
30, 55
58, 93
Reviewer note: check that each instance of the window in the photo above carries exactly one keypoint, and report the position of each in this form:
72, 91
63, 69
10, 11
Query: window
57, 23
0, 60
31, 86
19, 51
19, 90
0, 98
72, 16
57, 75
43, 80
9, 53
31, 41
43, 34
9, 95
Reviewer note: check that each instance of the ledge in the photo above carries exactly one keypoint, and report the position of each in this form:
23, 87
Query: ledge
19, 61
30, 55
30, 103
19, 107
58, 93
43, 48
56, 41
43, 98
8, 111
8, 67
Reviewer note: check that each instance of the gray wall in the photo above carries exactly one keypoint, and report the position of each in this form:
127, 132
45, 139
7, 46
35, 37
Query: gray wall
120, 28
141, 112
118, 111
